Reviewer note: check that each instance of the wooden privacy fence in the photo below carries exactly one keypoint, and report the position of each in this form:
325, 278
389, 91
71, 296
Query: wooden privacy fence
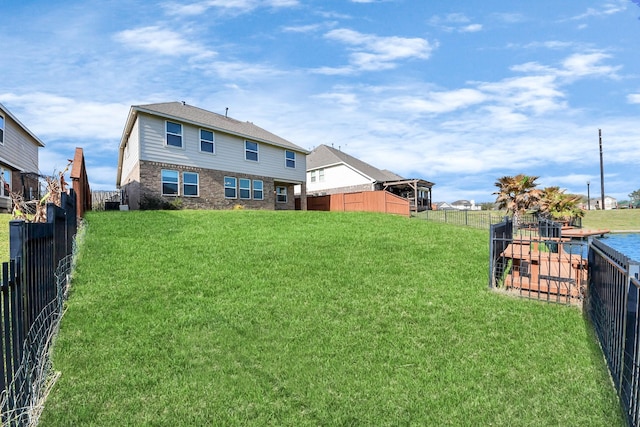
33, 286
363, 201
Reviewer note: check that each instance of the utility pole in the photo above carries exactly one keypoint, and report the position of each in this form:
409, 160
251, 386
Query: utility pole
601, 172
588, 196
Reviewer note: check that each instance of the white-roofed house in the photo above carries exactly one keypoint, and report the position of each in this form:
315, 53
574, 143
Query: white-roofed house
332, 171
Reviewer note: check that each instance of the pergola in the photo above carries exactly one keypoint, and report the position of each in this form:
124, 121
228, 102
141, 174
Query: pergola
418, 191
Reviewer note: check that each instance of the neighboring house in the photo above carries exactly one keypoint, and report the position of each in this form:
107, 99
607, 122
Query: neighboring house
465, 205
444, 206
331, 171
207, 160
18, 159
609, 203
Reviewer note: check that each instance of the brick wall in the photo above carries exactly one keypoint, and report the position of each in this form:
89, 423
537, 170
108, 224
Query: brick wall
211, 188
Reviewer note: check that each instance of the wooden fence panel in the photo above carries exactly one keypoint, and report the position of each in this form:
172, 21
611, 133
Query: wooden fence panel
364, 201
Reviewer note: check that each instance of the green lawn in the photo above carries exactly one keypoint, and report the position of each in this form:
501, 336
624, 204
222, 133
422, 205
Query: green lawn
254, 318
4, 237
617, 219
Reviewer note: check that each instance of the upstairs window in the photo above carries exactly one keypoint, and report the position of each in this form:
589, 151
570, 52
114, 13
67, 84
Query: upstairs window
251, 151
169, 182
1, 130
321, 175
230, 191
207, 143
190, 184
290, 159
313, 176
174, 134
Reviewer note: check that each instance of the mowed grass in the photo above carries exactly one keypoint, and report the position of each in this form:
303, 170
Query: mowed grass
4, 237
616, 219
253, 318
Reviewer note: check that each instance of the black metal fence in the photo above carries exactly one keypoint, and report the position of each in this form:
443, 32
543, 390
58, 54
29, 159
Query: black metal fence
476, 219
484, 219
538, 264
612, 306
34, 284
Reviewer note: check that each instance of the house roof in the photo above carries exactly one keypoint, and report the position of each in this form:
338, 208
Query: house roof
31, 134
325, 156
188, 113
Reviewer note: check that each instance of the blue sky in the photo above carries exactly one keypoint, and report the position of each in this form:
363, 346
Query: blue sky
456, 92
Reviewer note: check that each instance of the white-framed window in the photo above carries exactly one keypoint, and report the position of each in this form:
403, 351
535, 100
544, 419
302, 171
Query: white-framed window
321, 175
230, 187
207, 141
290, 159
173, 134
6, 182
190, 184
245, 188
281, 194
251, 151
314, 176
1, 129
170, 182
258, 189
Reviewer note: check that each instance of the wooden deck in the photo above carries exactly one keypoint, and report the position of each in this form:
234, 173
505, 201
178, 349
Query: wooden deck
542, 266
580, 233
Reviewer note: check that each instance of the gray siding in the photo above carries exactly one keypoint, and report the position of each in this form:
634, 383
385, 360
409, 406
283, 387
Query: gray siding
229, 152
131, 155
19, 151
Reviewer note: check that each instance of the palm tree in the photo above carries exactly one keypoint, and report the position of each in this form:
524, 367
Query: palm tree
517, 194
560, 206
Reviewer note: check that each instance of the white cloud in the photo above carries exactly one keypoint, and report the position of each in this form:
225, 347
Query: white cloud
437, 102
574, 66
372, 53
233, 6
587, 64
549, 44
455, 22
633, 98
302, 28
161, 41
608, 8
472, 28
52, 116
240, 70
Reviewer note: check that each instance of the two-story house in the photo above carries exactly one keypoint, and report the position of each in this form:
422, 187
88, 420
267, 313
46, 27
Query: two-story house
332, 171
18, 159
208, 160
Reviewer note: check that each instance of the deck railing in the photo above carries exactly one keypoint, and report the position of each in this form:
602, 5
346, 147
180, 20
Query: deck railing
537, 265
